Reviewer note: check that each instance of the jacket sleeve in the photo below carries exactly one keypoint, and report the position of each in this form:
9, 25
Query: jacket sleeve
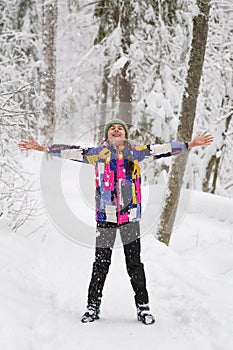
76, 153
159, 150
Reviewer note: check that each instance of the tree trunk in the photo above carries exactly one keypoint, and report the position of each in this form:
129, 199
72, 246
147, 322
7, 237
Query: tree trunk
125, 95
185, 129
213, 167
103, 110
49, 28
125, 90
117, 89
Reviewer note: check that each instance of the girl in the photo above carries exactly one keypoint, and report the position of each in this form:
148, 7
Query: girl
118, 205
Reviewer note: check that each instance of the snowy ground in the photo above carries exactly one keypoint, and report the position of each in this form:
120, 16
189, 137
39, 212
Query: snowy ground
44, 280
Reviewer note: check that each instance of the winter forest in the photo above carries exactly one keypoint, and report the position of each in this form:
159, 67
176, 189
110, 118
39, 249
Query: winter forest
67, 67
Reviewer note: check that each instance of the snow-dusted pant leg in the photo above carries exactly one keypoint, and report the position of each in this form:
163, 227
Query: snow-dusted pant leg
130, 235
106, 234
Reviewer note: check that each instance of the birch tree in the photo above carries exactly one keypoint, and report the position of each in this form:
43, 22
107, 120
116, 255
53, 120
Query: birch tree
185, 129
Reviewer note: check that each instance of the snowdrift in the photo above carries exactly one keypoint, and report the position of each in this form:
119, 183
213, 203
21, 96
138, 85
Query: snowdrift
44, 282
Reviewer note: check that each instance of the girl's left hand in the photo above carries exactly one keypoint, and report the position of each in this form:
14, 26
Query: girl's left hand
201, 140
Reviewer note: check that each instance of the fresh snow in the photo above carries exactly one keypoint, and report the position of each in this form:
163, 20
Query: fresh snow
45, 276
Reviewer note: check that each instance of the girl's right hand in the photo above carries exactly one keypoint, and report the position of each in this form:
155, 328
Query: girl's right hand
32, 144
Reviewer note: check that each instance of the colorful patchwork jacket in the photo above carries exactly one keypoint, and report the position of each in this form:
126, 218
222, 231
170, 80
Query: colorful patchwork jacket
118, 189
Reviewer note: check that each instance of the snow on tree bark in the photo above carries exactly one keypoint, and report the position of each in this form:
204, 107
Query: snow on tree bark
185, 128
49, 29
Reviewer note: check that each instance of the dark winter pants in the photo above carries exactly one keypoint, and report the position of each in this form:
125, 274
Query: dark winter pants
130, 236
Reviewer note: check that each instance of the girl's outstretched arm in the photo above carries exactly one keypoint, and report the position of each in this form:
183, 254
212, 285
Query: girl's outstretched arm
73, 152
171, 148
32, 144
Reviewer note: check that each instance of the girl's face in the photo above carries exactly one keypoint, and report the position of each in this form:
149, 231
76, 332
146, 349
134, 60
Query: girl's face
116, 134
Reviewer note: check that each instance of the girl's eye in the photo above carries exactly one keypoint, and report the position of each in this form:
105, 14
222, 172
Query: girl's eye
112, 128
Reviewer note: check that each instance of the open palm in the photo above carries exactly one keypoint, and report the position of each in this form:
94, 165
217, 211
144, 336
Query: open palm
31, 144
201, 140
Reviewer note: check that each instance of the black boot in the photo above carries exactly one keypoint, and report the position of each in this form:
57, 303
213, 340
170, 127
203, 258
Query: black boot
91, 314
144, 315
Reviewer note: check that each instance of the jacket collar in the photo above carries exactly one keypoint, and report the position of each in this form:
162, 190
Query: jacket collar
113, 147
